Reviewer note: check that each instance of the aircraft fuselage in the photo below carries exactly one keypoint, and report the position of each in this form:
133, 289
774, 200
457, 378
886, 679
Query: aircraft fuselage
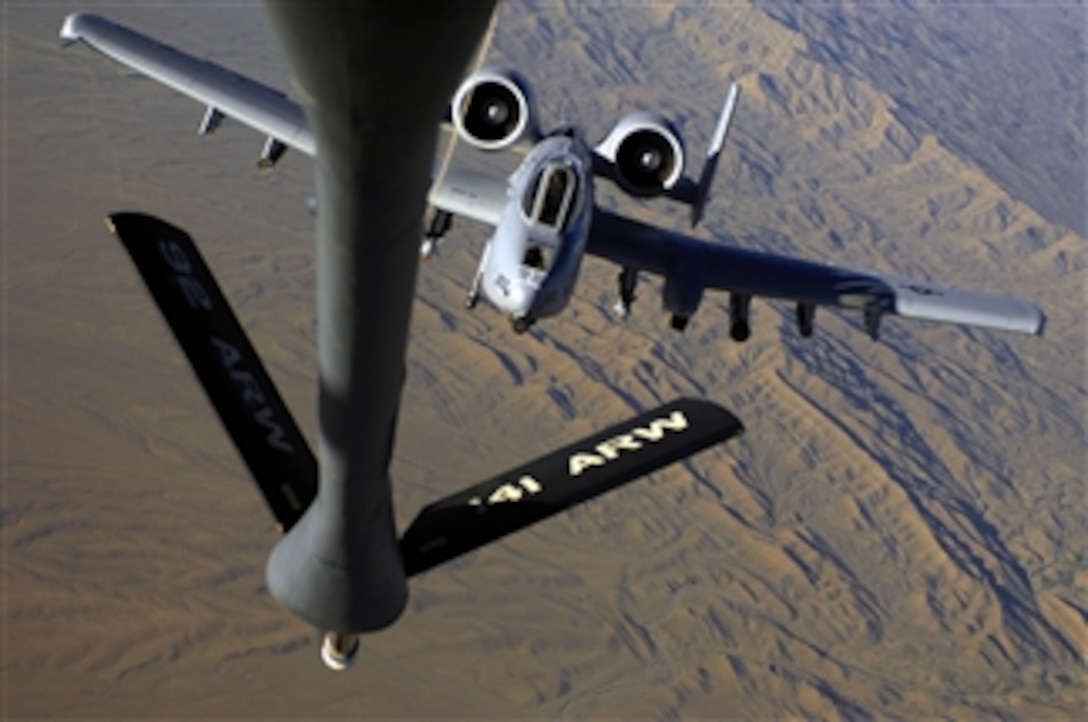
530, 265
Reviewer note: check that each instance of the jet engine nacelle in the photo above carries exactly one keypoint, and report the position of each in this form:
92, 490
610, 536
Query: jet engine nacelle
645, 153
493, 109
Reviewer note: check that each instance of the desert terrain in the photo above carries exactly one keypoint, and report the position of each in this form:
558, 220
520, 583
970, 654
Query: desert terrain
899, 534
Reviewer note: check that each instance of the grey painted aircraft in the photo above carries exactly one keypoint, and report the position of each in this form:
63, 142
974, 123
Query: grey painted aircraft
340, 565
545, 221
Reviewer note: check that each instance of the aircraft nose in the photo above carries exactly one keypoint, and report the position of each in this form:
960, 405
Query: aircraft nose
520, 300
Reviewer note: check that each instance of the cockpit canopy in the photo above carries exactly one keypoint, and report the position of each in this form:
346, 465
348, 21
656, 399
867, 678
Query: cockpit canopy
550, 198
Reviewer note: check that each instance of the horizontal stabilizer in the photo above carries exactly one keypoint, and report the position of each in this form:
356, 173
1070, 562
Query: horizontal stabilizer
224, 360
525, 495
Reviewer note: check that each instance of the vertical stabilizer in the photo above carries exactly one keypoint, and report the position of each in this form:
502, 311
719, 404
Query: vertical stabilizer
702, 191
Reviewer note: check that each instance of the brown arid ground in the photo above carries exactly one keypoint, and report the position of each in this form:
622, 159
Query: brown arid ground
900, 534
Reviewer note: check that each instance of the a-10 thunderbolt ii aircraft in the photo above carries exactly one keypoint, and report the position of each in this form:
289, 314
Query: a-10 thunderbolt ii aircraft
544, 215
546, 220
340, 565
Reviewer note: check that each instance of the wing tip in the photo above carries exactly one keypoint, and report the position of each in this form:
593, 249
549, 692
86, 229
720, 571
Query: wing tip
1030, 319
967, 307
69, 29
1040, 323
75, 26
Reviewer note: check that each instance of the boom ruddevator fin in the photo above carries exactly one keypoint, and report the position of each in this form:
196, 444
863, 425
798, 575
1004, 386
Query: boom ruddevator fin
225, 361
285, 469
527, 494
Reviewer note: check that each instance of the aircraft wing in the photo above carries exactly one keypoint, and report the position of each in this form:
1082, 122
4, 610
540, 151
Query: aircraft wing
701, 264
224, 92
470, 194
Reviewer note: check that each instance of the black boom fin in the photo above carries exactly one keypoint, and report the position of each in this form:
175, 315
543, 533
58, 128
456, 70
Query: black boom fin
527, 494
225, 361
